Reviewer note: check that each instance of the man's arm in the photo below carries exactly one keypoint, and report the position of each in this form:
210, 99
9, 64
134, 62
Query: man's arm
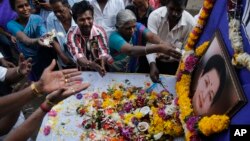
34, 121
60, 53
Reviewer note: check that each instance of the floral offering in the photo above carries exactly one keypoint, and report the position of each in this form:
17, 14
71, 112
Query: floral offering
129, 113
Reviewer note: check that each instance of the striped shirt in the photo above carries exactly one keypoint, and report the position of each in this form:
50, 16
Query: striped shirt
93, 47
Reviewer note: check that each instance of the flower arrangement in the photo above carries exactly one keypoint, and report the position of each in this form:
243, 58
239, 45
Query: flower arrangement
130, 113
240, 58
193, 124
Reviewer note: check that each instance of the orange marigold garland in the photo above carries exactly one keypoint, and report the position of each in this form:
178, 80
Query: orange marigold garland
197, 30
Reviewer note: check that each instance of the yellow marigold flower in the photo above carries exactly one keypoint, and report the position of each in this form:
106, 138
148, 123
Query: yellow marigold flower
128, 118
118, 94
191, 42
108, 103
153, 95
188, 47
138, 115
203, 15
199, 51
132, 97
188, 134
213, 124
201, 22
207, 4
192, 36
165, 93
128, 94
197, 29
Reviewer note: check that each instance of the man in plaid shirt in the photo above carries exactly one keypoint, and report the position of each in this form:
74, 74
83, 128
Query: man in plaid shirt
87, 42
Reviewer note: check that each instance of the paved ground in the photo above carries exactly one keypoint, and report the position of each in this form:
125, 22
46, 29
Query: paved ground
194, 6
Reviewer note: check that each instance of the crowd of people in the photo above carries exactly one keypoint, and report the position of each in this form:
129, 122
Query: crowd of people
90, 35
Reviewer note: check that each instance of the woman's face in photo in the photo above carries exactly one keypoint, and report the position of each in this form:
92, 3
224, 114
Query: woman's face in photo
22, 8
207, 87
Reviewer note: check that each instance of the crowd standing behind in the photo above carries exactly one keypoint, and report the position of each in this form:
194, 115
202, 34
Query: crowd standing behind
93, 35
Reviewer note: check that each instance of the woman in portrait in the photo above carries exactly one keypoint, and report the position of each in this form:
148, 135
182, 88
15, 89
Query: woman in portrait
209, 84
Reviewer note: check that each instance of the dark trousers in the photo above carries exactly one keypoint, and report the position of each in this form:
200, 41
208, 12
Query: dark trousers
167, 67
143, 65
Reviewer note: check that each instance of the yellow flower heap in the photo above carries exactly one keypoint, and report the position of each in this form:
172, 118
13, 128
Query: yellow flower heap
206, 125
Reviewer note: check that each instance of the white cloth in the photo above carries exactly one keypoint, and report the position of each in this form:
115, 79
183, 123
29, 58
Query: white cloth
127, 2
158, 24
54, 23
107, 17
3, 72
1, 55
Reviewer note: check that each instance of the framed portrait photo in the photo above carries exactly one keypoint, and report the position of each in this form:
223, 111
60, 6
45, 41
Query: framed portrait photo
215, 88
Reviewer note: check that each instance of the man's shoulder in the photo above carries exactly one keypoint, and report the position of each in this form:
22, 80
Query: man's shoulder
159, 12
73, 30
114, 35
35, 17
98, 28
188, 17
51, 16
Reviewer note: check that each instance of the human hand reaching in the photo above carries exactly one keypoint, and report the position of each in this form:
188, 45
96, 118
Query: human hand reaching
99, 65
43, 43
47, 39
154, 72
61, 94
54, 80
13, 39
170, 50
24, 66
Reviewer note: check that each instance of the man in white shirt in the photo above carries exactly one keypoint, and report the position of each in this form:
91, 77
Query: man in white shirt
173, 24
105, 12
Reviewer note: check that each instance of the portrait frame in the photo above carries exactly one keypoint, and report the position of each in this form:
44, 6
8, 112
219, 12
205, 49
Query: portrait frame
232, 98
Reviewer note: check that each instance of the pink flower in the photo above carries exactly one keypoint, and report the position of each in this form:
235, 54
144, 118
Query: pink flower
142, 91
190, 63
95, 95
46, 130
192, 122
52, 113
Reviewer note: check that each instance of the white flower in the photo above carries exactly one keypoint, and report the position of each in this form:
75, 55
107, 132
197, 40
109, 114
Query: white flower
115, 116
242, 59
235, 36
170, 109
158, 136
